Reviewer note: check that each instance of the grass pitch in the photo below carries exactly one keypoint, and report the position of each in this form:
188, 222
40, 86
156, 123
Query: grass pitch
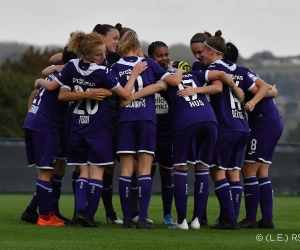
15, 234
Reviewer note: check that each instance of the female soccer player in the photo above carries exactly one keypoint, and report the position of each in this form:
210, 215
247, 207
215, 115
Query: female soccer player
196, 45
30, 214
233, 132
90, 144
158, 51
266, 128
137, 127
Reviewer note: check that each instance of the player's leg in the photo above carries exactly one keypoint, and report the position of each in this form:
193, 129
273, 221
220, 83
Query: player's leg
251, 193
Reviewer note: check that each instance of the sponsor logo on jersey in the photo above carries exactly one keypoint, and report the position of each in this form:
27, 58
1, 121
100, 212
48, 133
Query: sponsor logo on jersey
137, 104
127, 72
84, 119
81, 81
237, 114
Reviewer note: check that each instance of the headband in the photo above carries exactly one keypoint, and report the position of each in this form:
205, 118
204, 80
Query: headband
213, 48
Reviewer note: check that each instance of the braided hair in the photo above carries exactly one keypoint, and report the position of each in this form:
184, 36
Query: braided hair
154, 45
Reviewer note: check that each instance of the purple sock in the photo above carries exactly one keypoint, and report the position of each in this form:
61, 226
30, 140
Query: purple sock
125, 195
201, 186
251, 196
75, 176
180, 194
56, 191
167, 193
145, 187
223, 192
81, 191
237, 192
44, 196
34, 202
266, 198
93, 197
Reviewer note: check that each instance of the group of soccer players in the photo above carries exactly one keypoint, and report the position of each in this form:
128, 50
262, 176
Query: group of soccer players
114, 101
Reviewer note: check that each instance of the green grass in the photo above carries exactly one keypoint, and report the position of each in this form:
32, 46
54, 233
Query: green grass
15, 234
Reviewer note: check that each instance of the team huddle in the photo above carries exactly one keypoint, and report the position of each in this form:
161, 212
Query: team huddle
104, 100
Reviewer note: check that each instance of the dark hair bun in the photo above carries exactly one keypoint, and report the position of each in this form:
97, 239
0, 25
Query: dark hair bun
218, 33
118, 26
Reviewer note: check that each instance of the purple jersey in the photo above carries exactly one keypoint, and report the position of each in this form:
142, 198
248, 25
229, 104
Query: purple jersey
229, 111
198, 66
266, 106
191, 109
89, 117
46, 111
144, 108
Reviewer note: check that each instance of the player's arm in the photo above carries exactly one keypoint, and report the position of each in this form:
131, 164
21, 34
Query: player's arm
66, 95
126, 91
48, 85
175, 79
55, 59
215, 88
52, 69
259, 93
31, 98
149, 90
228, 81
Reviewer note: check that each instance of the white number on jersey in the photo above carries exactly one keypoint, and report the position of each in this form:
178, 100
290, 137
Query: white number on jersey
234, 102
89, 109
180, 87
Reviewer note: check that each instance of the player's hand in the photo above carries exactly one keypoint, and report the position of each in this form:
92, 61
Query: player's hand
273, 91
139, 68
187, 91
96, 94
249, 106
36, 83
123, 102
239, 94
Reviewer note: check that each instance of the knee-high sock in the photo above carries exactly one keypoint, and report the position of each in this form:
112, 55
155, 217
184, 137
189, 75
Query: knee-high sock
251, 196
44, 196
56, 191
145, 187
180, 194
167, 193
237, 192
107, 193
266, 198
93, 197
125, 195
223, 192
81, 191
201, 186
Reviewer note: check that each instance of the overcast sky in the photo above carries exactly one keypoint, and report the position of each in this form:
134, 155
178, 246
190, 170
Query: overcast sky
254, 26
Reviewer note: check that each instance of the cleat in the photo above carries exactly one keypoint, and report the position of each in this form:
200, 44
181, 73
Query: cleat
136, 218
247, 223
127, 223
67, 221
167, 220
204, 221
226, 224
144, 224
194, 224
30, 216
113, 219
265, 224
84, 220
49, 220
182, 226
